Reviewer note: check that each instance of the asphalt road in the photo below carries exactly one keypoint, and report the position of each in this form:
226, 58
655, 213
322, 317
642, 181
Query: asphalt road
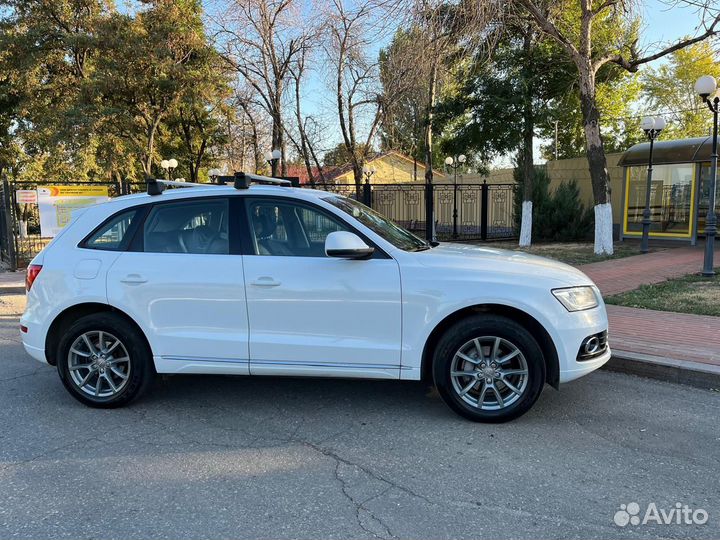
224, 457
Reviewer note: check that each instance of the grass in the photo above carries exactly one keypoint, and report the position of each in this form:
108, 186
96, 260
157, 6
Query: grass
574, 253
689, 294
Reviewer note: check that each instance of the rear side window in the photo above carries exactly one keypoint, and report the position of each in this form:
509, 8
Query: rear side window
113, 235
188, 227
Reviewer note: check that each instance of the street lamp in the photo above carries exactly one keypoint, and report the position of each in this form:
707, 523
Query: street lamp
273, 158
213, 174
652, 128
706, 86
368, 172
455, 164
169, 165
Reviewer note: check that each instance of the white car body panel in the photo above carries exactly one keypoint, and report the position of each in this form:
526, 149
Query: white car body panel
316, 313
192, 313
326, 317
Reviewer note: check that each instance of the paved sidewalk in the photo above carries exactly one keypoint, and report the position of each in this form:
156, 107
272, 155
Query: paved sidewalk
672, 346
620, 275
12, 282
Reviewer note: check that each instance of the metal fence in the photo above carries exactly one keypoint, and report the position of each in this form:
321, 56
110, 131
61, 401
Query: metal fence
462, 211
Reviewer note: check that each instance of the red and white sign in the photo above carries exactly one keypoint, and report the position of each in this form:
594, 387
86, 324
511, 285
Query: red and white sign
26, 196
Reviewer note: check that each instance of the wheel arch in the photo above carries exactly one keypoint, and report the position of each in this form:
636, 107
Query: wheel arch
550, 354
69, 315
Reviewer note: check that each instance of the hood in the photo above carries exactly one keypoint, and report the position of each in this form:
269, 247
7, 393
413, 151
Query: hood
505, 262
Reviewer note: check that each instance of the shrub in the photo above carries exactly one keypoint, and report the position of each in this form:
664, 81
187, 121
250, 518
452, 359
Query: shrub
559, 216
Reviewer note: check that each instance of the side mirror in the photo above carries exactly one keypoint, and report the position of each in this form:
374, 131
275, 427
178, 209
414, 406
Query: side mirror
347, 245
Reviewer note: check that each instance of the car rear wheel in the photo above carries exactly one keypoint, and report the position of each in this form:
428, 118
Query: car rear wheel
103, 361
488, 368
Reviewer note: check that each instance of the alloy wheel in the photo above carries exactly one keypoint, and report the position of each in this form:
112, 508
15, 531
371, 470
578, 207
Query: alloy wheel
489, 373
99, 364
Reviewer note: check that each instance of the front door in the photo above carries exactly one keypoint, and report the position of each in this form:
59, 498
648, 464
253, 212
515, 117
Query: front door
182, 284
310, 314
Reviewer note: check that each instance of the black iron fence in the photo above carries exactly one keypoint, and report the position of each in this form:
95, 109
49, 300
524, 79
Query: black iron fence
478, 211
461, 211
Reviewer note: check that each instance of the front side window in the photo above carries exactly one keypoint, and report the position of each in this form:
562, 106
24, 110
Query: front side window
288, 229
188, 227
379, 224
113, 235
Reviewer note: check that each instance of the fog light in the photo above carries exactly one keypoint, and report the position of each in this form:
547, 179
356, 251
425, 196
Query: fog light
591, 345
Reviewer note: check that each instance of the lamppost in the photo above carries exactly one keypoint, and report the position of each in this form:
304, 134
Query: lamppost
368, 173
706, 86
169, 165
652, 128
455, 164
213, 174
273, 158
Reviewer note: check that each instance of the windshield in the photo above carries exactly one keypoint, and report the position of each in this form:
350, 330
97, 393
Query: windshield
379, 224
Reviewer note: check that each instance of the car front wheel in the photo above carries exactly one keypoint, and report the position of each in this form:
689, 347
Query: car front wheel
488, 368
103, 362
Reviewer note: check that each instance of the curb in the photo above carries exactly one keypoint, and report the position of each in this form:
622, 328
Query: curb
706, 376
12, 289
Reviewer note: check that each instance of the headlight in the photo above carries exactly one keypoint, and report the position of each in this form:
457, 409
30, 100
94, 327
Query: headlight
576, 298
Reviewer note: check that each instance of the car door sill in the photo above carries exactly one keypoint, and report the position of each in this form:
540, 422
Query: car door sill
324, 369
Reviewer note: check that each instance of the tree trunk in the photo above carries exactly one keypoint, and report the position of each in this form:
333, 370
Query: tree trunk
150, 147
358, 175
597, 162
528, 165
429, 117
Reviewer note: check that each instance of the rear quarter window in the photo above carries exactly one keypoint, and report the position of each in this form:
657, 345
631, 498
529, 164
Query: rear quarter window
114, 234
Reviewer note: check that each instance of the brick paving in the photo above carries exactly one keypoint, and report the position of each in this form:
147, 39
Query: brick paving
660, 334
620, 275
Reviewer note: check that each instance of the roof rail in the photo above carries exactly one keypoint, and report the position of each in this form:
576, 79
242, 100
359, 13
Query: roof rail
241, 180
155, 186
244, 180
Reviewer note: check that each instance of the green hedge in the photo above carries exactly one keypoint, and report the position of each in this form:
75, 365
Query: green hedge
560, 216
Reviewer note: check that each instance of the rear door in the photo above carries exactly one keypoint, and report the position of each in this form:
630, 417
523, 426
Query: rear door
182, 282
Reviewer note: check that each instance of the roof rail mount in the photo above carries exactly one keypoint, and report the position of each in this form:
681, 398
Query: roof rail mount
244, 180
155, 186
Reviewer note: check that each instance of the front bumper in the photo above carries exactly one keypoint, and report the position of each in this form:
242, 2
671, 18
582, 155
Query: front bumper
572, 329
584, 367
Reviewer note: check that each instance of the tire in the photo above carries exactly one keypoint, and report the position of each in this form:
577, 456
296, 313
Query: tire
121, 380
507, 349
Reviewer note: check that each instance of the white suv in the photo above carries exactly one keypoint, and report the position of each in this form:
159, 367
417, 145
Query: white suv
273, 280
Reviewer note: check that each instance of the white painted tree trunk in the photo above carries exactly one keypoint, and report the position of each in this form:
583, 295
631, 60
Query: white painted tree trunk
603, 229
23, 229
526, 224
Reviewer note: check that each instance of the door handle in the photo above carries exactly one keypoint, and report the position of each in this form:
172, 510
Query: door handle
133, 279
265, 281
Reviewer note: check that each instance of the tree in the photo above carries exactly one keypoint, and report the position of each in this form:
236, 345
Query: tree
669, 90
47, 57
307, 128
261, 40
151, 65
354, 76
595, 33
447, 32
195, 122
497, 103
402, 122
618, 92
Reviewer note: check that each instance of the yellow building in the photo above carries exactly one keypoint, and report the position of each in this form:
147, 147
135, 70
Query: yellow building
390, 168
